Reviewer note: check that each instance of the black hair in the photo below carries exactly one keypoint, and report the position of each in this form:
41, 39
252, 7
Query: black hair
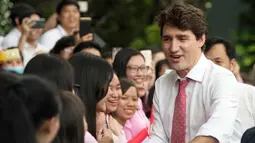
107, 55
63, 43
7, 79
71, 119
28, 13
126, 84
229, 47
18, 10
86, 45
121, 60
93, 74
24, 106
158, 67
64, 3
249, 136
53, 68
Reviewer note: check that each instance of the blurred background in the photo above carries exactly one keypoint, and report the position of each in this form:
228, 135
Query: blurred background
130, 23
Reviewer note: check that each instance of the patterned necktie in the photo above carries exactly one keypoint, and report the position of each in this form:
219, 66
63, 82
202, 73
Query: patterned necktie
179, 118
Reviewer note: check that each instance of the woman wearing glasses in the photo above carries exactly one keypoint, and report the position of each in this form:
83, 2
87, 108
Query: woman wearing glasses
130, 64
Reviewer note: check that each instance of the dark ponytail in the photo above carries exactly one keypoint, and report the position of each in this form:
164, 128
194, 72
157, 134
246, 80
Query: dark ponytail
15, 121
24, 105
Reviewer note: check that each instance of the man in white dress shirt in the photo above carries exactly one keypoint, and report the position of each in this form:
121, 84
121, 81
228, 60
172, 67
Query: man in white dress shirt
222, 53
28, 44
12, 38
196, 102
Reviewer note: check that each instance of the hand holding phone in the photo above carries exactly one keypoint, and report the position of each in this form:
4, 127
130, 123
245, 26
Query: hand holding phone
39, 23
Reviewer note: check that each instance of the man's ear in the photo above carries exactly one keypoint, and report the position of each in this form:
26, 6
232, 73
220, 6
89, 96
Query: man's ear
17, 21
201, 40
233, 65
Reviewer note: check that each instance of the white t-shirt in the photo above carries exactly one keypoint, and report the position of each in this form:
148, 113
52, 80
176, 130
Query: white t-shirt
29, 52
11, 39
50, 38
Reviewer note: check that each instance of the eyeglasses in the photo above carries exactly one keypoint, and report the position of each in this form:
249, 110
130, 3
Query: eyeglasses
134, 69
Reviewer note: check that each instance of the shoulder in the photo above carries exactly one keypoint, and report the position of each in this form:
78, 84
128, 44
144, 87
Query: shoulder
246, 89
216, 73
51, 32
42, 47
166, 78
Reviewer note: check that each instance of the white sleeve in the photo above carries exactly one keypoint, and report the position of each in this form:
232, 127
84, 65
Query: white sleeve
158, 134
223, 108
48, 40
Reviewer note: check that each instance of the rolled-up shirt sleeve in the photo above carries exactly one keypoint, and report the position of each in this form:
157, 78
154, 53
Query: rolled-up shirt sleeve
158, 134
223, 108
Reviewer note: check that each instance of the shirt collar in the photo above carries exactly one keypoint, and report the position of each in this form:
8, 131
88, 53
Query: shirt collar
197, 72
62, 31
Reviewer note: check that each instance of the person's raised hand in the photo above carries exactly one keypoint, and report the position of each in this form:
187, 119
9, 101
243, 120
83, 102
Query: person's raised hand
106, 136
26, 25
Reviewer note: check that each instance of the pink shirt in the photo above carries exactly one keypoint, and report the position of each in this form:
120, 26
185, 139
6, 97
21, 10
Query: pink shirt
137, 123
88, 138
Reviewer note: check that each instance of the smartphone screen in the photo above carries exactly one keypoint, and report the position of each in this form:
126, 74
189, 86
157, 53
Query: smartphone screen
85, 26
39, 24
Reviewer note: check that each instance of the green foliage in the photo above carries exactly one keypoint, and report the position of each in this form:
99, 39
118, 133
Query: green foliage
245, 49
151, 37
246, 37
123, 22
5, 23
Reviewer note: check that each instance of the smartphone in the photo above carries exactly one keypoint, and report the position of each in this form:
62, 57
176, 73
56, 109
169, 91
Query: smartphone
40, 23
148, 57
107, 121
115, 50
9, 54
85, 26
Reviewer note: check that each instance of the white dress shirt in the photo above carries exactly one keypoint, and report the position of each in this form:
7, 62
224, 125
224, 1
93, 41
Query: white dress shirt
212, 104
11, 39
29, 52
50, 37
246, 112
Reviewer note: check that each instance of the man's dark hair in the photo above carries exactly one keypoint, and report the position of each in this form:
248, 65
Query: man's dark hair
229, 47
18, 10
249, 136
184, 17
107, 55
64, 3
63, 43
28, 13
87, 45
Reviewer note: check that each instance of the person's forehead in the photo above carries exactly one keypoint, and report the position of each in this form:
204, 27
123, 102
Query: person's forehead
136, 61
35, 17
218, 49
174, 31
68, 6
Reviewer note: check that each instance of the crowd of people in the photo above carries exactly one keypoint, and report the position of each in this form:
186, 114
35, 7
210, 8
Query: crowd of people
57, 86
